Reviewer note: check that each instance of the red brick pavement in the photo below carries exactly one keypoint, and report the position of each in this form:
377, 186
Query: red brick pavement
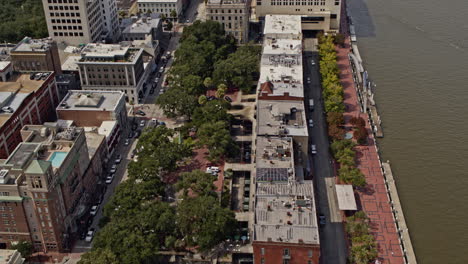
373, 200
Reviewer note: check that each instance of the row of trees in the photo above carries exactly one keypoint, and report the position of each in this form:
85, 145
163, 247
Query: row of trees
207, 58
344, 154
363, 245
138, 222
20, 18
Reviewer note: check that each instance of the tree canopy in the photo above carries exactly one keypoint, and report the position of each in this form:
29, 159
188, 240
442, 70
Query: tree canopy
20, 18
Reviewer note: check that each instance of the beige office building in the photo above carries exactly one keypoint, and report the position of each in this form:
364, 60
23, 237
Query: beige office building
233, 14
322, 15
76, 22
164, 7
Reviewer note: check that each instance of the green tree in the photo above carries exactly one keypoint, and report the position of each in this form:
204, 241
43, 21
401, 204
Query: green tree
99, 256
221, 91
335, 118
199, 182
335, 132
208, 83
173, 13
20, 18
169, 25
163, 17
211, 112
203, 222
218, 140
202, 99
339, 39
176, 103
24, 247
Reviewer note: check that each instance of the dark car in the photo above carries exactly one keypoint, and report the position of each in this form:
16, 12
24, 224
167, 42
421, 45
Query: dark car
83, 235
322, 219
130, 134
137, 134
152, 91
139, 112
227, 98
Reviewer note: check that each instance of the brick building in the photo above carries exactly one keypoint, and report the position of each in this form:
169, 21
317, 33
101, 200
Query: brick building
35, 55
41, 187
24, 101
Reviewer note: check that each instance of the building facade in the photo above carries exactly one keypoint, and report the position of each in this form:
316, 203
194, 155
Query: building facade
142, 28
76, 22
320, 15
42, 187
112, 67
232, 14
165, 7
35, 55
24, 101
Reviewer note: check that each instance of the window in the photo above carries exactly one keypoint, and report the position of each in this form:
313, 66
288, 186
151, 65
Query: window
286, 252
263, 251
310, 253
309, 262
337, 2
263, 261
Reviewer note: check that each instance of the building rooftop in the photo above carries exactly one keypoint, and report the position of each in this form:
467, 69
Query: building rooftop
105, 53
346, 199
277, 117
33, 45
106, 128
4, 65
275, 159
285, 213
142, 26
8, 256
91, 100
14, 92
226, 2
93, 141
282, 24
70, 63
158, 1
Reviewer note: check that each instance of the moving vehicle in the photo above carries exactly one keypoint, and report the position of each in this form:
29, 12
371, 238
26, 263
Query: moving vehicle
312, 62
308, 79
142, 123
322, 219
311, 123
313, 149
127, 142
90, 235
94, 210
311, 104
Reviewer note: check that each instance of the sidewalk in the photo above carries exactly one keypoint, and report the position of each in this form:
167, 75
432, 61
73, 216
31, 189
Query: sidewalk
373, 200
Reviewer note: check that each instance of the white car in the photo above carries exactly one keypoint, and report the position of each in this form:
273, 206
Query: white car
94, 209
90, 235
311, 123
113, 169
313, 149
308, 79
212, 170
156, 80
142, 123
312, 62
127, 142
110, 178
161, 91
118, 159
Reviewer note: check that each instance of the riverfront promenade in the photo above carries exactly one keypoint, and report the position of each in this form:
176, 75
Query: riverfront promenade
373, 200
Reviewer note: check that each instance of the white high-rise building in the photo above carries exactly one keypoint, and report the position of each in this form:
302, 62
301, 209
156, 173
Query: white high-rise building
77, 22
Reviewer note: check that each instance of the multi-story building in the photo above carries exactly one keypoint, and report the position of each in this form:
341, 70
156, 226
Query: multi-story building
165, 7
112, 67
76, 22
34, 55
317, 15
103, 110
9, 256
6, 70
232, 14
142, 28
25, 101
285, 229
41, 187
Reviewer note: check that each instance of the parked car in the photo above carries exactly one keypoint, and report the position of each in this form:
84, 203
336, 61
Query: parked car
90, 235
151, 91
139, 112
322, 219
130, 134
308, 79
227, 98
101, 197
313, 149
311, 123
127, 142
161, 123
161, 70
118, 159
156, 80
94, 210
83, 235
142, 123
137, 134
312, 62
113, 169
110, 178
210, 98
161, 91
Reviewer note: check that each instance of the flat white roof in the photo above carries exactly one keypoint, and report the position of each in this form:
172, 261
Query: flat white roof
282, 24
346, 199
158, 1
4, 65
286, 118
70, 63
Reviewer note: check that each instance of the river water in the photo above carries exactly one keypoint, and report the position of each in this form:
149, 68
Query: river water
416, 51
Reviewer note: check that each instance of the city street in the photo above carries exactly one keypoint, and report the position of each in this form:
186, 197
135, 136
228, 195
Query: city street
332, 237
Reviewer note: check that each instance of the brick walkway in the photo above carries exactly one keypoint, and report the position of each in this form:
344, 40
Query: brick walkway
373, 200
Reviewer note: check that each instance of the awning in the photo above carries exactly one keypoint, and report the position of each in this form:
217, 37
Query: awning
346, 199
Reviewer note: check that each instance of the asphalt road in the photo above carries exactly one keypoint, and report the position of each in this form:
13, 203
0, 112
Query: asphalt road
332, 238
